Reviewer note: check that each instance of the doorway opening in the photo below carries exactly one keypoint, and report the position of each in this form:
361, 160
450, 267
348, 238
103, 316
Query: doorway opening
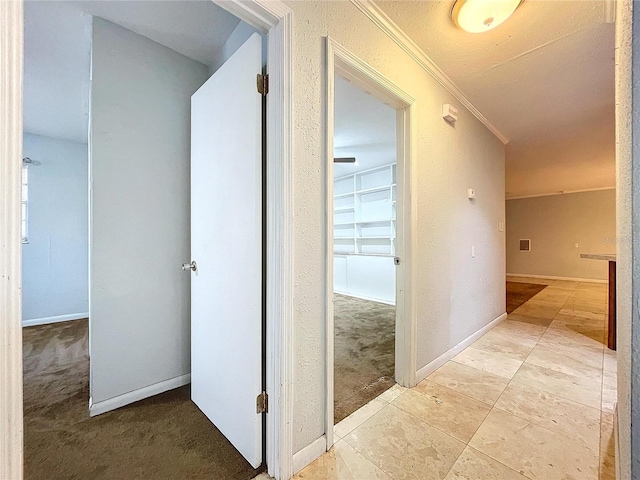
364, 237
123, 142
369, 303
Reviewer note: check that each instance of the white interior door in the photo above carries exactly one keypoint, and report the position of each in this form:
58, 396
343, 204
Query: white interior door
226, 244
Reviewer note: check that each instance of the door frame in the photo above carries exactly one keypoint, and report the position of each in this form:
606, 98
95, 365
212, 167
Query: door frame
342, 61
271, 17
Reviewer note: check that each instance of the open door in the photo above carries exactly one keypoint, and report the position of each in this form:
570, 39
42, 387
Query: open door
226, 249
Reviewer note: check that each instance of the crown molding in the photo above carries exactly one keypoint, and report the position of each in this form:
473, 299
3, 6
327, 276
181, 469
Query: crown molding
393, 31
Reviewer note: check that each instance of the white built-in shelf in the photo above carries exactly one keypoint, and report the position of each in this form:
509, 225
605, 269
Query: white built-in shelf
365, 212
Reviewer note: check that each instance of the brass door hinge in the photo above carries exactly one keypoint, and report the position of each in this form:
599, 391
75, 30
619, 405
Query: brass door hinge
262, 403
263, 84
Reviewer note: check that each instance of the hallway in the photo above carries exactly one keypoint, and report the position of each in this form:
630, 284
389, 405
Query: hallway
533, 398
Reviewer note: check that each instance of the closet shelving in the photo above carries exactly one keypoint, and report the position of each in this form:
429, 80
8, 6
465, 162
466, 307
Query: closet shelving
365, 212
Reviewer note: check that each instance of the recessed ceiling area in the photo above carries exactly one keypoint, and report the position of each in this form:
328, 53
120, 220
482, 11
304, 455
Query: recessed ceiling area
58, 50
544, 78
365, 128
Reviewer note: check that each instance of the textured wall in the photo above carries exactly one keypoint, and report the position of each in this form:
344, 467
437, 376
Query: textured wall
456, 294
554, 224
55, 279
624, 189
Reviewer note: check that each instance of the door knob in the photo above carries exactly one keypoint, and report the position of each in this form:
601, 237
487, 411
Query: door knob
189, 266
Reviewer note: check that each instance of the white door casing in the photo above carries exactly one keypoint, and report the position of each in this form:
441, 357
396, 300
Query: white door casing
343, 62
226, 244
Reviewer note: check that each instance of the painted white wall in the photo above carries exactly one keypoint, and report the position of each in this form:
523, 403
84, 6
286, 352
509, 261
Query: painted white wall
54, 262
238, 36
456, 294
140, 150
555, 224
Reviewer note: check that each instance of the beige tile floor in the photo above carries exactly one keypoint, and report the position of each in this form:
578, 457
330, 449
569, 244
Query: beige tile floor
533, 398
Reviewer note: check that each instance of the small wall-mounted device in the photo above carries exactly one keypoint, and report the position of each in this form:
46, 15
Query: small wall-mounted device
471, 193
525, 245
449, 113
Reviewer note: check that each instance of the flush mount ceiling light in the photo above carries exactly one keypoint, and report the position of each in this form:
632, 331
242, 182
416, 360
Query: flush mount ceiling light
477, 16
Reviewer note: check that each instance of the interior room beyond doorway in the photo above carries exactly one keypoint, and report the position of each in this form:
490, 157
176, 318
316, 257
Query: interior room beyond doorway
364, 200
126, 411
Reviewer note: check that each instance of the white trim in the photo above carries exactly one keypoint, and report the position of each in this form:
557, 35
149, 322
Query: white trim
393, 31
136, 395
564, 192
60, 318
431, 367
343, 62
362, 297
276, 19
550, 277
11, 62
309, 453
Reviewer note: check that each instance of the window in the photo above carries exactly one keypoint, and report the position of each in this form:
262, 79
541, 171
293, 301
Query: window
25, 203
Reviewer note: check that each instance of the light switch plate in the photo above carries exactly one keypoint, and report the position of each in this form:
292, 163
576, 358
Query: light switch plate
501, 226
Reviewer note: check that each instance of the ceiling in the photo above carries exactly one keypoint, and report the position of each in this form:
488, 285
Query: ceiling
544, 78
58, 48
364, 128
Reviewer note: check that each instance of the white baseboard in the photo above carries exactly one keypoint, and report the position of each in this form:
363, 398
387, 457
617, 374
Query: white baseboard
140, 394
59, 318
431, 367
549, 277
361, 297
309, 453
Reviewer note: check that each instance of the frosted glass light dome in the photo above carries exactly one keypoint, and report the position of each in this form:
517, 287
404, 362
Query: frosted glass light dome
477, 16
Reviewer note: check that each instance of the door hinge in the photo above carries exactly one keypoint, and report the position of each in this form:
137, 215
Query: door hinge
396, 260
262, 403
263, 84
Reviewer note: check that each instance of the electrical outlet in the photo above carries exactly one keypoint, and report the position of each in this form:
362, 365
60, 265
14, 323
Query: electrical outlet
575, 245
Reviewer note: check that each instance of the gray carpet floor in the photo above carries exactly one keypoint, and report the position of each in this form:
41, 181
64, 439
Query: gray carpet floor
165, 437
364, 352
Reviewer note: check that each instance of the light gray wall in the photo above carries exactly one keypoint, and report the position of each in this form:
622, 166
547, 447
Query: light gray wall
54, 262
140, 156
456, 294
555, 224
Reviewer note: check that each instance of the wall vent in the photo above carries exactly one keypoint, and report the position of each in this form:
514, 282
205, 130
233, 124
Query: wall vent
525, 245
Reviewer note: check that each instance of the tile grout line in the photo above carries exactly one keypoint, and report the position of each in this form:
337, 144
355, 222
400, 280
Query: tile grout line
512, 381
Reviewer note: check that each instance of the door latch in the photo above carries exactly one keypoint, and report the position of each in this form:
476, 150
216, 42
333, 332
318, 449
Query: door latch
190, 266
396, 260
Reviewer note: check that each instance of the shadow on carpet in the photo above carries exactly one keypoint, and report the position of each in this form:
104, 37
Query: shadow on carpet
163, 437
519, 293
364, 352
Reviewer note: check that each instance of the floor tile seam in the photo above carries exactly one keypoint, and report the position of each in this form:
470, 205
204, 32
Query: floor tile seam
494, 459
538, 341
386, 404
580, 375
438, 428
509, 355
496, 407
419, 420
480, 370
361, 455
525, 361
469, 396
550, 433
555, 393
